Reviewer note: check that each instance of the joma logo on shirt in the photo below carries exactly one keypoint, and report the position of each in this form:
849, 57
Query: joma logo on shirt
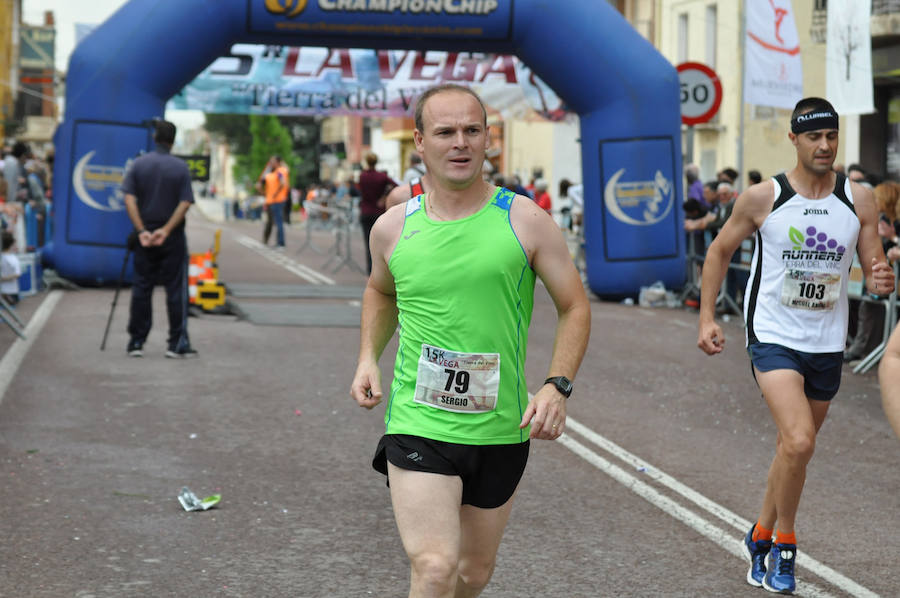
809, 211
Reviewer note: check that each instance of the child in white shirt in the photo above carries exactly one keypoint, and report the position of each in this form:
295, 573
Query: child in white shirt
10, 269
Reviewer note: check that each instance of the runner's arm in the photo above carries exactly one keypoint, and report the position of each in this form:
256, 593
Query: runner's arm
879, 274
744, 219
379, 312
551, 261
889, 381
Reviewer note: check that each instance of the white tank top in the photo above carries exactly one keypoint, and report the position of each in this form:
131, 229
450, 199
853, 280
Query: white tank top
797, 292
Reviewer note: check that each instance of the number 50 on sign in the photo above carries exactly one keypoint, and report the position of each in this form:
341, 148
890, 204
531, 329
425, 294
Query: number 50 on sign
701, 92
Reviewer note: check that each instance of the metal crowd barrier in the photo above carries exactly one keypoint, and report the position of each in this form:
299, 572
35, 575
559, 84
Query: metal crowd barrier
890, 320
694, 260
338, 218
8, 316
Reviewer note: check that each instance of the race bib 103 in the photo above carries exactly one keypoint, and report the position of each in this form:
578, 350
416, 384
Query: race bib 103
803, 289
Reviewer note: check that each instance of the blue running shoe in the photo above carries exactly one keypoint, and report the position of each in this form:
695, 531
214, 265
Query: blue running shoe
780, 575
756, 553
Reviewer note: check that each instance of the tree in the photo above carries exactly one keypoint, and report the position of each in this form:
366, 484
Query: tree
305, 132
268, 138
300, 154
234, 128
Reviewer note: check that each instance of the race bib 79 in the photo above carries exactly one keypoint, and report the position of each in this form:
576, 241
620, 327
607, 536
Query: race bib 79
460, 382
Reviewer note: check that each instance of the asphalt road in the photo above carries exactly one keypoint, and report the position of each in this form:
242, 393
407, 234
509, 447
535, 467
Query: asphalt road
647, 494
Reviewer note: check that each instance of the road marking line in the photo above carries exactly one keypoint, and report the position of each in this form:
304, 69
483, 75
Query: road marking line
301, 270
641, 488
10, 363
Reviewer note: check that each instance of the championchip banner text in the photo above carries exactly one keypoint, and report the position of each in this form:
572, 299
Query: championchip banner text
258, 79
487, 19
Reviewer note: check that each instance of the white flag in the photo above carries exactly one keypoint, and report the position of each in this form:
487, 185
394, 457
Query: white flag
848, 72
773, 71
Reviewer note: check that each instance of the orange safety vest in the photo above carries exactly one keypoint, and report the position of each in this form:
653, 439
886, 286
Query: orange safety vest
277, 185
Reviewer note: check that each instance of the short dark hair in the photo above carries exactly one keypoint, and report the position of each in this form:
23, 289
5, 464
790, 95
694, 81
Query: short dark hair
812, 104
8, 239
20, 148
165, 132
856, 167
712, 185
433, 91
693, 209
731, 173
754, 177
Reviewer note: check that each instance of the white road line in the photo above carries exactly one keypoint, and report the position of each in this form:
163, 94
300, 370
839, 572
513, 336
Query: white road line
721, 537
803, 560
10, 363
301, 270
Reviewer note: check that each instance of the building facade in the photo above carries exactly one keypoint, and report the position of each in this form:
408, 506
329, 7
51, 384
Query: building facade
710, 32
10, 17
880, 132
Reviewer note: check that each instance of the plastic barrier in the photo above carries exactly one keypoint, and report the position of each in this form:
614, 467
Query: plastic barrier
204, 288
31, 279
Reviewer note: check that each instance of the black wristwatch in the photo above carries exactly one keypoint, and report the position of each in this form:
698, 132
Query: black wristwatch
562, 384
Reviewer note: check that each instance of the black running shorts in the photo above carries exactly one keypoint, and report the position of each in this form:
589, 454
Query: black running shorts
490, 473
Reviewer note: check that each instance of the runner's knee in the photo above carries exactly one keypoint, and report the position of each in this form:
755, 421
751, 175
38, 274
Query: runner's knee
476, 573
435, 570
798, 445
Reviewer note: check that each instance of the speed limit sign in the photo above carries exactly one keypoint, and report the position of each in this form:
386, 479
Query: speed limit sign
701, 92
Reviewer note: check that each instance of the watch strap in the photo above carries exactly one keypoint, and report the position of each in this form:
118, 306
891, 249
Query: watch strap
562, 384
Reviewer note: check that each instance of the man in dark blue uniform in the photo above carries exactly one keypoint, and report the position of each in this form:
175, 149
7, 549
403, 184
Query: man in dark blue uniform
158, 194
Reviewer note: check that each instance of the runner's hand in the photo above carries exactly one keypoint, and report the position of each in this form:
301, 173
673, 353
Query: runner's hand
547, 414
711, 339
882, 282
366, 386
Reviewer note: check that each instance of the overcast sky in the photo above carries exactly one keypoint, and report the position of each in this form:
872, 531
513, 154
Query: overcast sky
93, 12
67, 13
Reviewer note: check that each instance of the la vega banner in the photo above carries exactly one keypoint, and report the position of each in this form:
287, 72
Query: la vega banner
259, 79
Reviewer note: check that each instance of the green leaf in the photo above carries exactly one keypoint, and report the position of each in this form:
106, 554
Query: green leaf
796, 236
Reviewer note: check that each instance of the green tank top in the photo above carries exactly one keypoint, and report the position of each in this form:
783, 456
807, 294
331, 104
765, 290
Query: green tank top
465, 292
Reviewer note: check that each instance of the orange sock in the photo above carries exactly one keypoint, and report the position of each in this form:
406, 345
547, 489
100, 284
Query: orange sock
783, 538
761, 533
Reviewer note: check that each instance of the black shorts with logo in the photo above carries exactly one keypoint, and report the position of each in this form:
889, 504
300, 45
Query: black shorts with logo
490, 473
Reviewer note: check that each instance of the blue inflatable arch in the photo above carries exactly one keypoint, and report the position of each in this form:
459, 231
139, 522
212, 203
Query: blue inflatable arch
624, 91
